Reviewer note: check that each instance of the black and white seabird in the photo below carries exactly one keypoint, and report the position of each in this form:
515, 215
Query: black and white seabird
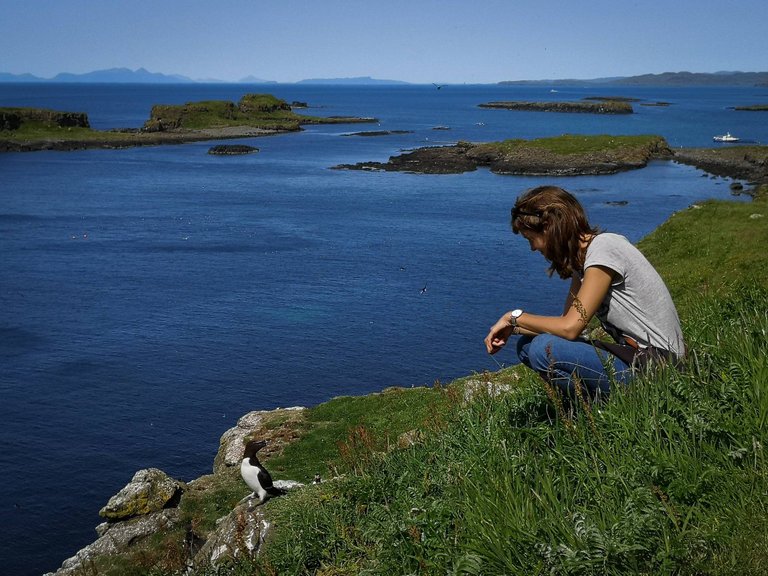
255, 475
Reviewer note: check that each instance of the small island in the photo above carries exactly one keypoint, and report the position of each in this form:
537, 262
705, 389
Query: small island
567, 155
574, 155
31, 129
601, 106
754, 108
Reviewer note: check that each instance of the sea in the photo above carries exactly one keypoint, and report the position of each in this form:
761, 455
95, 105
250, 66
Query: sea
150, 297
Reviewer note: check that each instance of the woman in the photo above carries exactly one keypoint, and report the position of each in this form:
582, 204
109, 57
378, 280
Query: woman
610, 279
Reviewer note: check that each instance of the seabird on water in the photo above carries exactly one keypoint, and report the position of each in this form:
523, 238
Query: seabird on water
255, 475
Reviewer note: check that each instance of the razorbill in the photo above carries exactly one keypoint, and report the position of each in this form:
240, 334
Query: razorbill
255, 475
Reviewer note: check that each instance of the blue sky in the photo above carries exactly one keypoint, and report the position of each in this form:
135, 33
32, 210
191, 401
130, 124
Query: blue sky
421, 41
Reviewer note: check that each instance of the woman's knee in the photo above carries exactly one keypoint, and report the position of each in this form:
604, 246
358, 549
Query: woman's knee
538, 351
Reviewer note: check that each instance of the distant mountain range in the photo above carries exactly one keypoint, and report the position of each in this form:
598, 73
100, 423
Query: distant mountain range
143, 76
665, 79
123, 76
113, 75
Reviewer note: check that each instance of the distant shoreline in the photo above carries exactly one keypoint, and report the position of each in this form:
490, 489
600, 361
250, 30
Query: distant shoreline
35, 129
135, 139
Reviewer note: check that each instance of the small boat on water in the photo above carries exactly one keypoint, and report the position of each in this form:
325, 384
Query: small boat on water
725, 138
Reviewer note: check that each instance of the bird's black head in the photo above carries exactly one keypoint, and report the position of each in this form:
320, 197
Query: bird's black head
252, 447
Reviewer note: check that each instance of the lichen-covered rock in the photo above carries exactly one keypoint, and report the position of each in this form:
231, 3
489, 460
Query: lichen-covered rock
274, 426
149, 491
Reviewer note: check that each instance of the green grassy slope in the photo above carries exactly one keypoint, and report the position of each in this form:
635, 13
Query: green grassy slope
669, 477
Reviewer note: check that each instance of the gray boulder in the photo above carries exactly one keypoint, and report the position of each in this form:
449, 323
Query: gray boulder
149, 491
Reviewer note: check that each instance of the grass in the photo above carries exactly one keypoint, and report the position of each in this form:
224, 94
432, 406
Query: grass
580, 143
337, 434
719, 242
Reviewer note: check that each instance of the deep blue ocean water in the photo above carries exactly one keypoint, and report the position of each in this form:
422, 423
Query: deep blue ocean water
152, 296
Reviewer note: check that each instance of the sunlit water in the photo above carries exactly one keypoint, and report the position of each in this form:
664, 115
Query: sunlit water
152, 296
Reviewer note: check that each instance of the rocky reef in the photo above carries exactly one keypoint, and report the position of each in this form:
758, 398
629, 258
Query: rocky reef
231, 150
379, 133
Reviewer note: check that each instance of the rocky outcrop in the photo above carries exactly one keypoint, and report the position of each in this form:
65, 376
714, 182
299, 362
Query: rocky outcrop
258, 424
149, 506
431, 160
742, 162
521, 158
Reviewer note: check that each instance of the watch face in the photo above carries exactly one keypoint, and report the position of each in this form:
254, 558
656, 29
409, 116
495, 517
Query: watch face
516, 313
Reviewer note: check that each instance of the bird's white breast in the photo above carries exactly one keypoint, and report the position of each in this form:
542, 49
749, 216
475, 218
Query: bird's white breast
250, 475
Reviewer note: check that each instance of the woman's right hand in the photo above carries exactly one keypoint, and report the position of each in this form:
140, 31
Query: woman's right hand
498, 335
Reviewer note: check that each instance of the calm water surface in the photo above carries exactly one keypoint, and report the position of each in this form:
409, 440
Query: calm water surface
152, 296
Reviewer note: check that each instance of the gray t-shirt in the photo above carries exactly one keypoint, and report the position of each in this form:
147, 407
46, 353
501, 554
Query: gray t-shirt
638, 303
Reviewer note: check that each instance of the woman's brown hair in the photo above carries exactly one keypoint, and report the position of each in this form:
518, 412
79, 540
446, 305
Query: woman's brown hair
560, 219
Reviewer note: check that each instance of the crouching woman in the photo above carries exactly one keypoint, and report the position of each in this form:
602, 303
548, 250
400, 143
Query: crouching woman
610, 279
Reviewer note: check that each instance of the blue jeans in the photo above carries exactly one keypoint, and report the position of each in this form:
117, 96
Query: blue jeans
563, 363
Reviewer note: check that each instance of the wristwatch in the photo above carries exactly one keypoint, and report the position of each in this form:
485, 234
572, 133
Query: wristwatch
514, 315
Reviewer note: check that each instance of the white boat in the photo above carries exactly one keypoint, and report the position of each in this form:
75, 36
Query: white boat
725, 138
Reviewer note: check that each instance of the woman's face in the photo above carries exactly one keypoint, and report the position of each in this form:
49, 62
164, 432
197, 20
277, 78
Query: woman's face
536, 241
